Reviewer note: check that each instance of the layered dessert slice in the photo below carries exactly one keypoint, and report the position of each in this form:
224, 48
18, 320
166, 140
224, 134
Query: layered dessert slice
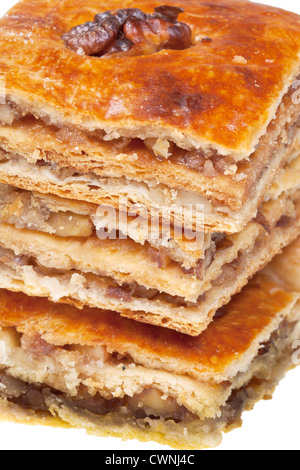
114, 377
163, 106
53, 247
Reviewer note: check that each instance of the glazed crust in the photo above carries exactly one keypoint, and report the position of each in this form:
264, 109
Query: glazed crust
188, 96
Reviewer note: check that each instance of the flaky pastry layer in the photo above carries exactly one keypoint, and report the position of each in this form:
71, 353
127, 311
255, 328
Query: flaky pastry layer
115, 274
36, 168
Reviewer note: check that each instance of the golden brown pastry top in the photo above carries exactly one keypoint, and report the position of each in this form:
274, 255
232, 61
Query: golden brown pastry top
228, 338
221, 92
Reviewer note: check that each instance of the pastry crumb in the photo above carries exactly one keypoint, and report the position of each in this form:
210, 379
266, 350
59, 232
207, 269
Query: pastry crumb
240, 177
238, 59
231, 170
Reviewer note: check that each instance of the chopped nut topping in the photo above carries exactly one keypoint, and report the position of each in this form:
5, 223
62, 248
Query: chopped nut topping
130, 32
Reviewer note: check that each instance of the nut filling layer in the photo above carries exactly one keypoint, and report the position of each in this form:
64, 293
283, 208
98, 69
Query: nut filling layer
144, 406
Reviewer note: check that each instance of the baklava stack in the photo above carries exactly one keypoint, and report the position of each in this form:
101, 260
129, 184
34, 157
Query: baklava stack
149, 167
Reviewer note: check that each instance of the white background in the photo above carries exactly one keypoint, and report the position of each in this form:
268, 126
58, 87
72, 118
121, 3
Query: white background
273, 425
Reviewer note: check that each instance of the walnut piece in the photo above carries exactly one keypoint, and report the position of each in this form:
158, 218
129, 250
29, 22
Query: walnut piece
92, 38
130, 32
